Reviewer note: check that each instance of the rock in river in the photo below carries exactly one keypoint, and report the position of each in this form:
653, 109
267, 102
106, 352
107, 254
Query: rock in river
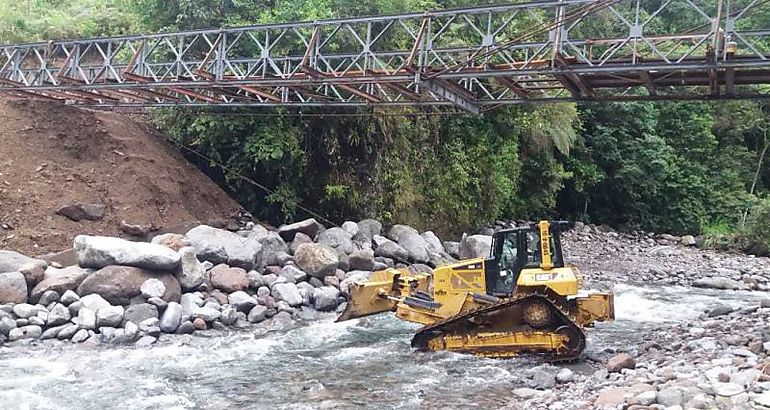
219, 246
118, 284
316, 259
13, 288
100, 251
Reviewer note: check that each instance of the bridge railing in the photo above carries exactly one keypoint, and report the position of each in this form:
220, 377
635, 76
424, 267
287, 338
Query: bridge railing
553, 50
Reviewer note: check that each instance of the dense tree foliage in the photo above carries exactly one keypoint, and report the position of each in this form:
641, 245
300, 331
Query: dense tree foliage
679, 167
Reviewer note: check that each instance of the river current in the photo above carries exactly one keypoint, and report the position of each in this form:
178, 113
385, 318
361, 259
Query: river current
364, 363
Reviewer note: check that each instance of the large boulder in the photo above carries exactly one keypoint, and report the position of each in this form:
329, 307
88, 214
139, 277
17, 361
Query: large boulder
362, 260
299, 239
415, 246
325, 298
475, 246
219, 246
11, 261
287, 292
60, 281
272, 246
316, 260
369, 228
228, 279
171, 318
433, 242
389, 249
309, 227
33, 270
242, 301
13, 288
139, 313
337, 239
720, 283
79, 212
118, 284
192, 273
100, 251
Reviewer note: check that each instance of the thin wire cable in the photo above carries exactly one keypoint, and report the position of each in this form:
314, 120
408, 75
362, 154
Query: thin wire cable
253, 182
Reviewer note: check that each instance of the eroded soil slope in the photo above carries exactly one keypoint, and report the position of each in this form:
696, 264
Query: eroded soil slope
53, 155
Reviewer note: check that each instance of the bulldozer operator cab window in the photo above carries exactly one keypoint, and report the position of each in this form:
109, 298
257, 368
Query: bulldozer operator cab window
533, 248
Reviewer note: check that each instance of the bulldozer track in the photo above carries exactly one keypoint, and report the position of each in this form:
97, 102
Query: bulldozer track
427, 333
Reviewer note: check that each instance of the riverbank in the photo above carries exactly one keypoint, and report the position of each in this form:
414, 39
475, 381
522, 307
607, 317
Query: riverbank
212, 288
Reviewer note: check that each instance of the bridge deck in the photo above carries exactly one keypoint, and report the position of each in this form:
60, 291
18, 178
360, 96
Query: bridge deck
475, 58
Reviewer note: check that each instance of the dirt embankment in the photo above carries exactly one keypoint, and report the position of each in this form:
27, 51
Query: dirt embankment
53, 156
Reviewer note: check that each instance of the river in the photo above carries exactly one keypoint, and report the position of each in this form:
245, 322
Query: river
364, 363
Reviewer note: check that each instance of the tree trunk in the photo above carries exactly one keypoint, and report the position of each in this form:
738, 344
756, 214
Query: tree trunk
756, 176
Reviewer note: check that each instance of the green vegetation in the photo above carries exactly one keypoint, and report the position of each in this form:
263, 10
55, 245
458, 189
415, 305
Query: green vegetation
678, 167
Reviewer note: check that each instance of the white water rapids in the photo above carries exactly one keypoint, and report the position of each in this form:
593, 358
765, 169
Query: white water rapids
364, 363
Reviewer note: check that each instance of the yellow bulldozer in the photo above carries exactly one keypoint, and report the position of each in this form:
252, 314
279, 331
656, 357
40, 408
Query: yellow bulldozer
523, 299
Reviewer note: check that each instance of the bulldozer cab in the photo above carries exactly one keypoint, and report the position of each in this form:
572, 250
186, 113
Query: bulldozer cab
537, 246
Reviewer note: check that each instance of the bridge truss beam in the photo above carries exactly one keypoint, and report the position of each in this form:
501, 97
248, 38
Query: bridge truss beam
474, 58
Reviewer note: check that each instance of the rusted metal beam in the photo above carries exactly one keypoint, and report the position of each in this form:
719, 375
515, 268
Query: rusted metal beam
514, 86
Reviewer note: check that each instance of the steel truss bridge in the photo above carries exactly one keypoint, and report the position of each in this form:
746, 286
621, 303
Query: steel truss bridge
475, 59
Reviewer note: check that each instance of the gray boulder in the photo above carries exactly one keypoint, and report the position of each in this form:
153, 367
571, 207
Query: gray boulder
257, 314
719, 283
81, 336
6, 325
109, 317
100, 251
139, 313
350, 227
25, 332
325, 298
299, 239
26, 311
309, 227
171, 318
13, 288
49, 296
316, 260
152, 288
94, 302
192, 273
397, 232
208, 314
272, 247
242, 301
475, 246
433, 242
389, 249
362, 260
287, 292
452, 248
67, 332
415, 246
229, 316
11, 261
369, 228
118, 284
80, 212
219, 246
69, 297
58, 315
337, 239
293, 273
60, 281
87, 318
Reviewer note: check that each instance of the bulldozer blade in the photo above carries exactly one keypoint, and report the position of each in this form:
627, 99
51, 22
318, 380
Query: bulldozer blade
370, 297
